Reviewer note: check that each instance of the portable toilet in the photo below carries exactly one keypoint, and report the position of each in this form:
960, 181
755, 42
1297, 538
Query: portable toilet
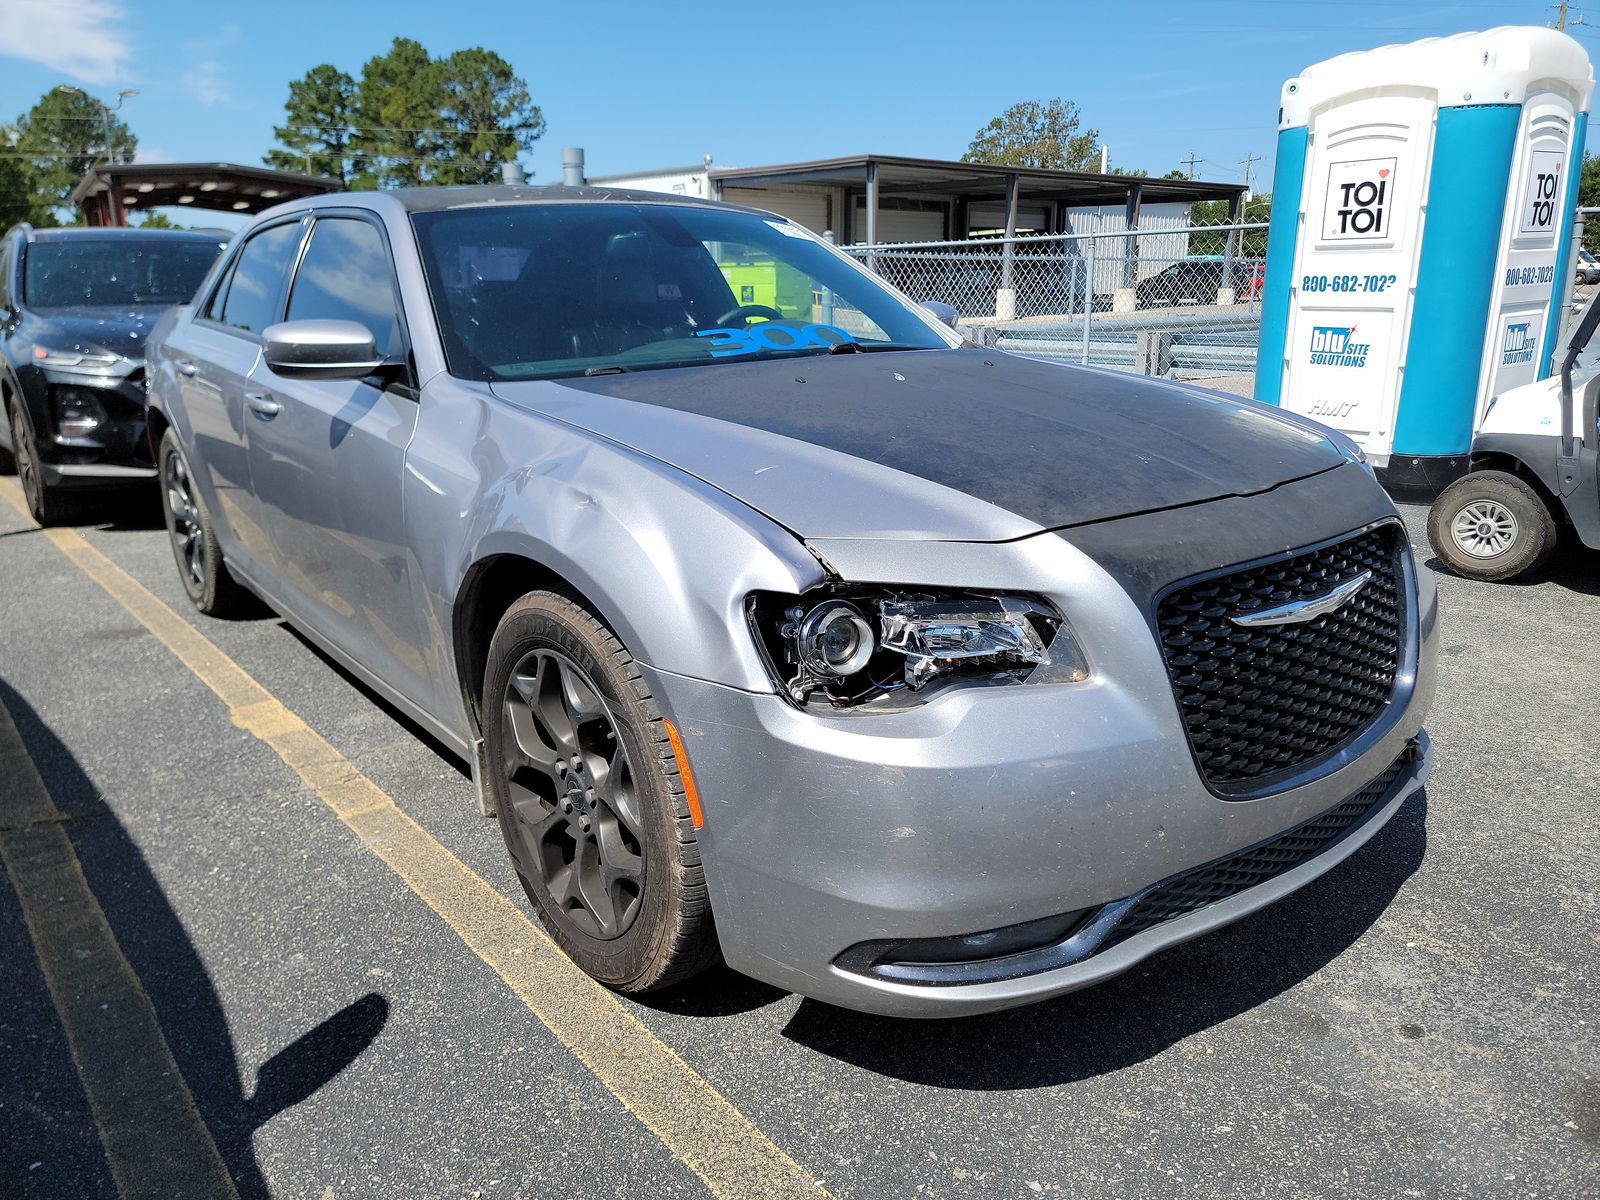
1420, 242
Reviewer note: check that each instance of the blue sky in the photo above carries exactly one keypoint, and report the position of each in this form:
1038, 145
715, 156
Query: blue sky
647, 85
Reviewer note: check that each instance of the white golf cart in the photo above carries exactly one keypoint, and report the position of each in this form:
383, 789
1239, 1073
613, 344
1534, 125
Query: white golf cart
1533, 471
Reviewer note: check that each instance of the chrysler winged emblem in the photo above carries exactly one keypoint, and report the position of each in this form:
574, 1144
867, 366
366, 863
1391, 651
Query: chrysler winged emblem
1297, 612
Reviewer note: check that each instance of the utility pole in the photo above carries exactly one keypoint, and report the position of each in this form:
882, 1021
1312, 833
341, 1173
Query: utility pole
1192, 160
1561, 21
1247, 160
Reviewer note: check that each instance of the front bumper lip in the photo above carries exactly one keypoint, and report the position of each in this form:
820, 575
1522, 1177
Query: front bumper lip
90, 475
1079, 961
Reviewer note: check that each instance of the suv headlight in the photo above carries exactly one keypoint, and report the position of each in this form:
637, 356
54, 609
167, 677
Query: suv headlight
853, 646
73, 360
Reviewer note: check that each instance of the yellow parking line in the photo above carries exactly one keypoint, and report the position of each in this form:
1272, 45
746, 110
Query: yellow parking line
154, 1138
695, 1121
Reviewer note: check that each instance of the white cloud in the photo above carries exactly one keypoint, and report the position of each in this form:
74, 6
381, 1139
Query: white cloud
204, 81
80, 38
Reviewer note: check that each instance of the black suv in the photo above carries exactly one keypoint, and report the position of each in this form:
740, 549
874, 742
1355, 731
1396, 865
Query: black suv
76, 306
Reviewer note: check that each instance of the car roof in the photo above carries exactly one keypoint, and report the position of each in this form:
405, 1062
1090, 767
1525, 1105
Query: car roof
431, 199
438, 199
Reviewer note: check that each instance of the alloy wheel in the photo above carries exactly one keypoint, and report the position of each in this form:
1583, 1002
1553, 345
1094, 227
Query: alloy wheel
1484, 529
188, 538
574, 795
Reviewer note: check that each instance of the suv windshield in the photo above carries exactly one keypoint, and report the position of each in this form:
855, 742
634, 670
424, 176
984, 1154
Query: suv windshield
536, 291
112, 272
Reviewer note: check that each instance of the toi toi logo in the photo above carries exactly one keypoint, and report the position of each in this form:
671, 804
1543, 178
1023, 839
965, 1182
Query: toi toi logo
1357, 204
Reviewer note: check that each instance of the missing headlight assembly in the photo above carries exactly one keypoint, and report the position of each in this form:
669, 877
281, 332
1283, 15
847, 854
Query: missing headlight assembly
888, 646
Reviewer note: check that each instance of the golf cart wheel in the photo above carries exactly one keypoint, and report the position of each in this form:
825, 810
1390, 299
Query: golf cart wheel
1490, 525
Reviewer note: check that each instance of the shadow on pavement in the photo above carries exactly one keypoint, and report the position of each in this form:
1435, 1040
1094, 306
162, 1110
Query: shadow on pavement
1169, 997
159, 950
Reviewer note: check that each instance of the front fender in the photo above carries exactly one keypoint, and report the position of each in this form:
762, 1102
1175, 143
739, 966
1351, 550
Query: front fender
164, 398
665, 559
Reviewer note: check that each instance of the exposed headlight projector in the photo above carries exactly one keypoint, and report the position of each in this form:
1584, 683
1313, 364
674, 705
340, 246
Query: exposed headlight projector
859, 647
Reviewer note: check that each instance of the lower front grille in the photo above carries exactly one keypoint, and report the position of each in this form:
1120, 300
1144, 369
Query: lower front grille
1266, 860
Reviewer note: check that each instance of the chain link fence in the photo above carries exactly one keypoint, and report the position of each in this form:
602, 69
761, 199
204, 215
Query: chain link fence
1184, 303
1180, 302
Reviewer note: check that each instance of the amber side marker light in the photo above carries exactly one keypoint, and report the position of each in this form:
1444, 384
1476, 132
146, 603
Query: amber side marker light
690, 792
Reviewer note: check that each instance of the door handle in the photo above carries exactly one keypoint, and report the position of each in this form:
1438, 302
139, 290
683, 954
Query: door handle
263, 405
185, 367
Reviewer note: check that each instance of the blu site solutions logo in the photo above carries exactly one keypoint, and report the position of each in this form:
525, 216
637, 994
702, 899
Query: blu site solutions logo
1331, 347
1518, 347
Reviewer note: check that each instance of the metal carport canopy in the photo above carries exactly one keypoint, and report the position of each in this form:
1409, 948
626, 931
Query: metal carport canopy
879, 175
108, 190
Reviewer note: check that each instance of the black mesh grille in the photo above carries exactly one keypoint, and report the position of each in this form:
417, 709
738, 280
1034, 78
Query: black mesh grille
1273, 699
1227, 876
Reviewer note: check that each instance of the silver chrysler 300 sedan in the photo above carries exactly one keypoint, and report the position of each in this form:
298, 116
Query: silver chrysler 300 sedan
778, 624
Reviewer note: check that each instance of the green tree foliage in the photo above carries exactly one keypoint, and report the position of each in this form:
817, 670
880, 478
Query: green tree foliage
158, 220
64, 135
409, 120
1252, 243
19, 195
315, 137
1031, 134
1589, 197
487, 113
396, 117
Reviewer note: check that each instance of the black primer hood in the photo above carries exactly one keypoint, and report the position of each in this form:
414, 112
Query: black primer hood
1057, 446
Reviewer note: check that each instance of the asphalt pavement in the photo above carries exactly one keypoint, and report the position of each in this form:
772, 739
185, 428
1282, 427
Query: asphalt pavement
336, 1021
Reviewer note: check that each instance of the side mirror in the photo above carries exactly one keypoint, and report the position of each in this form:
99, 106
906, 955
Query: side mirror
948, 314
320, 350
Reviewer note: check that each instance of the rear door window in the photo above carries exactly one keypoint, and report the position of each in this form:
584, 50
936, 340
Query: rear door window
253, 294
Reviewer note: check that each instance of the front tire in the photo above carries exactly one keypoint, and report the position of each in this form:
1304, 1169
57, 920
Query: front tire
1492, 526
47, 505
194, 544
589, 799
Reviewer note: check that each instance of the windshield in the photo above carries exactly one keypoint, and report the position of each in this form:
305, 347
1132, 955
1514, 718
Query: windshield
112, 272
536, 291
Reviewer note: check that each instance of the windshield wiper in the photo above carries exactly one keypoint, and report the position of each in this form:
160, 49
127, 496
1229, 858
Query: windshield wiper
845, 348
613, 370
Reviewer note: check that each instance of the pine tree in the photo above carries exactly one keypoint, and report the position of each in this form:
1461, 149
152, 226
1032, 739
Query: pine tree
396, 118
315, 137
488, 113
